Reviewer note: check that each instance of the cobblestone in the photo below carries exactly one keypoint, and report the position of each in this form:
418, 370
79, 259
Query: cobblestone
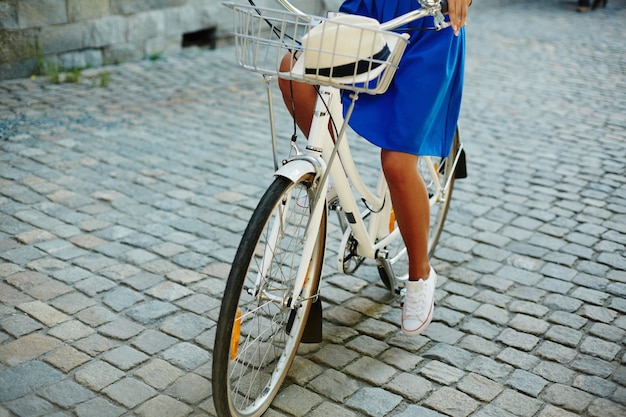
373, 401
97, 375
129, 392
517, 403
452, 402
66, 358
335, 385
441, 373
66, 394
296, 400
164, 406
567, 397
121, 209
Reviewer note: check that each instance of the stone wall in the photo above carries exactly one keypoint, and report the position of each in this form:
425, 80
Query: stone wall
90, 33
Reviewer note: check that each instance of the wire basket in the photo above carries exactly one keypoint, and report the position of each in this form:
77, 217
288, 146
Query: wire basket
347, 52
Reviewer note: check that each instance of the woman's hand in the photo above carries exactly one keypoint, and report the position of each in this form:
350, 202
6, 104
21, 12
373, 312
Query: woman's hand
457, 10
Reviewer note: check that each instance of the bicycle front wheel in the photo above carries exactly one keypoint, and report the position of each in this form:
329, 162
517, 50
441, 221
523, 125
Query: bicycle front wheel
257, 332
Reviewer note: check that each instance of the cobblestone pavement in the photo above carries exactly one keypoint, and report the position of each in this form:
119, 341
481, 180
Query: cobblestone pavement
121, 207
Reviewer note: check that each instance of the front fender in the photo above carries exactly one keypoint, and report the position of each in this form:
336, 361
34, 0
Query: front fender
296, 168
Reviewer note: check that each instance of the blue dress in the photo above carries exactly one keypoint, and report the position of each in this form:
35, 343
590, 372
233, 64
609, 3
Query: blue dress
420, 111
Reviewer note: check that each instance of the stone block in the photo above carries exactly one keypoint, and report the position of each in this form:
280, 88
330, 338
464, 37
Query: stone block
190, 388
29, 405
66, 358
39, 13
441, 373
129, 392
71, 330
43, 312
164, 406
186, 326
17, 69
18, 325
93, 58
87, 9
127, 7
371, 370
125, 357
19, 380
16, 45
159, 374
62, 38
8, 15
27, 348
296, 400
152, 341
527, 382
334, 385
99, 407
181, 20
116, 54
213, 14
568, 397
106, 31
146, 25
480, 387
66, 393
186, 355
374, 401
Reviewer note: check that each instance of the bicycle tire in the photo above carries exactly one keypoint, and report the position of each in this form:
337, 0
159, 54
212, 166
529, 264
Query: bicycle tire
257, 333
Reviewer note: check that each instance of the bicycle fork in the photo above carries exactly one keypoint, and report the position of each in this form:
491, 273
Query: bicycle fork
294, 170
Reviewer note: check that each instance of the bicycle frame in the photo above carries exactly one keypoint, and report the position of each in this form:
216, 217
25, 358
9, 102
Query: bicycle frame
335, 159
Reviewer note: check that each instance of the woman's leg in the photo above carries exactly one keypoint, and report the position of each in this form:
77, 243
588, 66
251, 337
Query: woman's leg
411, 207
298, 97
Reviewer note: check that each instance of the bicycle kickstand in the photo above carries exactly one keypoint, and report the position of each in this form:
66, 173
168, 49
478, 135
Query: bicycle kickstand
385, 271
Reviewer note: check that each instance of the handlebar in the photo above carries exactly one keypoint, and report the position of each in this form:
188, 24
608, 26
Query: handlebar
434, 8
291, 8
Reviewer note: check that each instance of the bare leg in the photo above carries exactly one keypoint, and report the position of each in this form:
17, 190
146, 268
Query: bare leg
298, 97
410, 204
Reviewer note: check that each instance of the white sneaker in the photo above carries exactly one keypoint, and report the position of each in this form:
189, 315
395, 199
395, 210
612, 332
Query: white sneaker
419, 302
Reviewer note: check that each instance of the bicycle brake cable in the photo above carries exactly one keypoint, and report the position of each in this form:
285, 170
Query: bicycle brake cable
273, 28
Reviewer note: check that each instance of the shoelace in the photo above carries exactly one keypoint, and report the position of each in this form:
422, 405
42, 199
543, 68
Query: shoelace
415, 301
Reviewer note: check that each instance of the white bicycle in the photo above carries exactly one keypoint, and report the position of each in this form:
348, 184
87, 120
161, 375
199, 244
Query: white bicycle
277, 268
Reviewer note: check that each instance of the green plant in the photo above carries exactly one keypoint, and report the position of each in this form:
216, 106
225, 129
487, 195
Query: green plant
51, 70
40, 60
105, 79
73, 76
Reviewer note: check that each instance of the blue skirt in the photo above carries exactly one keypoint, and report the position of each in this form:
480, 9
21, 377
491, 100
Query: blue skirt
420, 111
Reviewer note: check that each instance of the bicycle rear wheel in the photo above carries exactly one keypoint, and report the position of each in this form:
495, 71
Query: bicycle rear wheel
257, 332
